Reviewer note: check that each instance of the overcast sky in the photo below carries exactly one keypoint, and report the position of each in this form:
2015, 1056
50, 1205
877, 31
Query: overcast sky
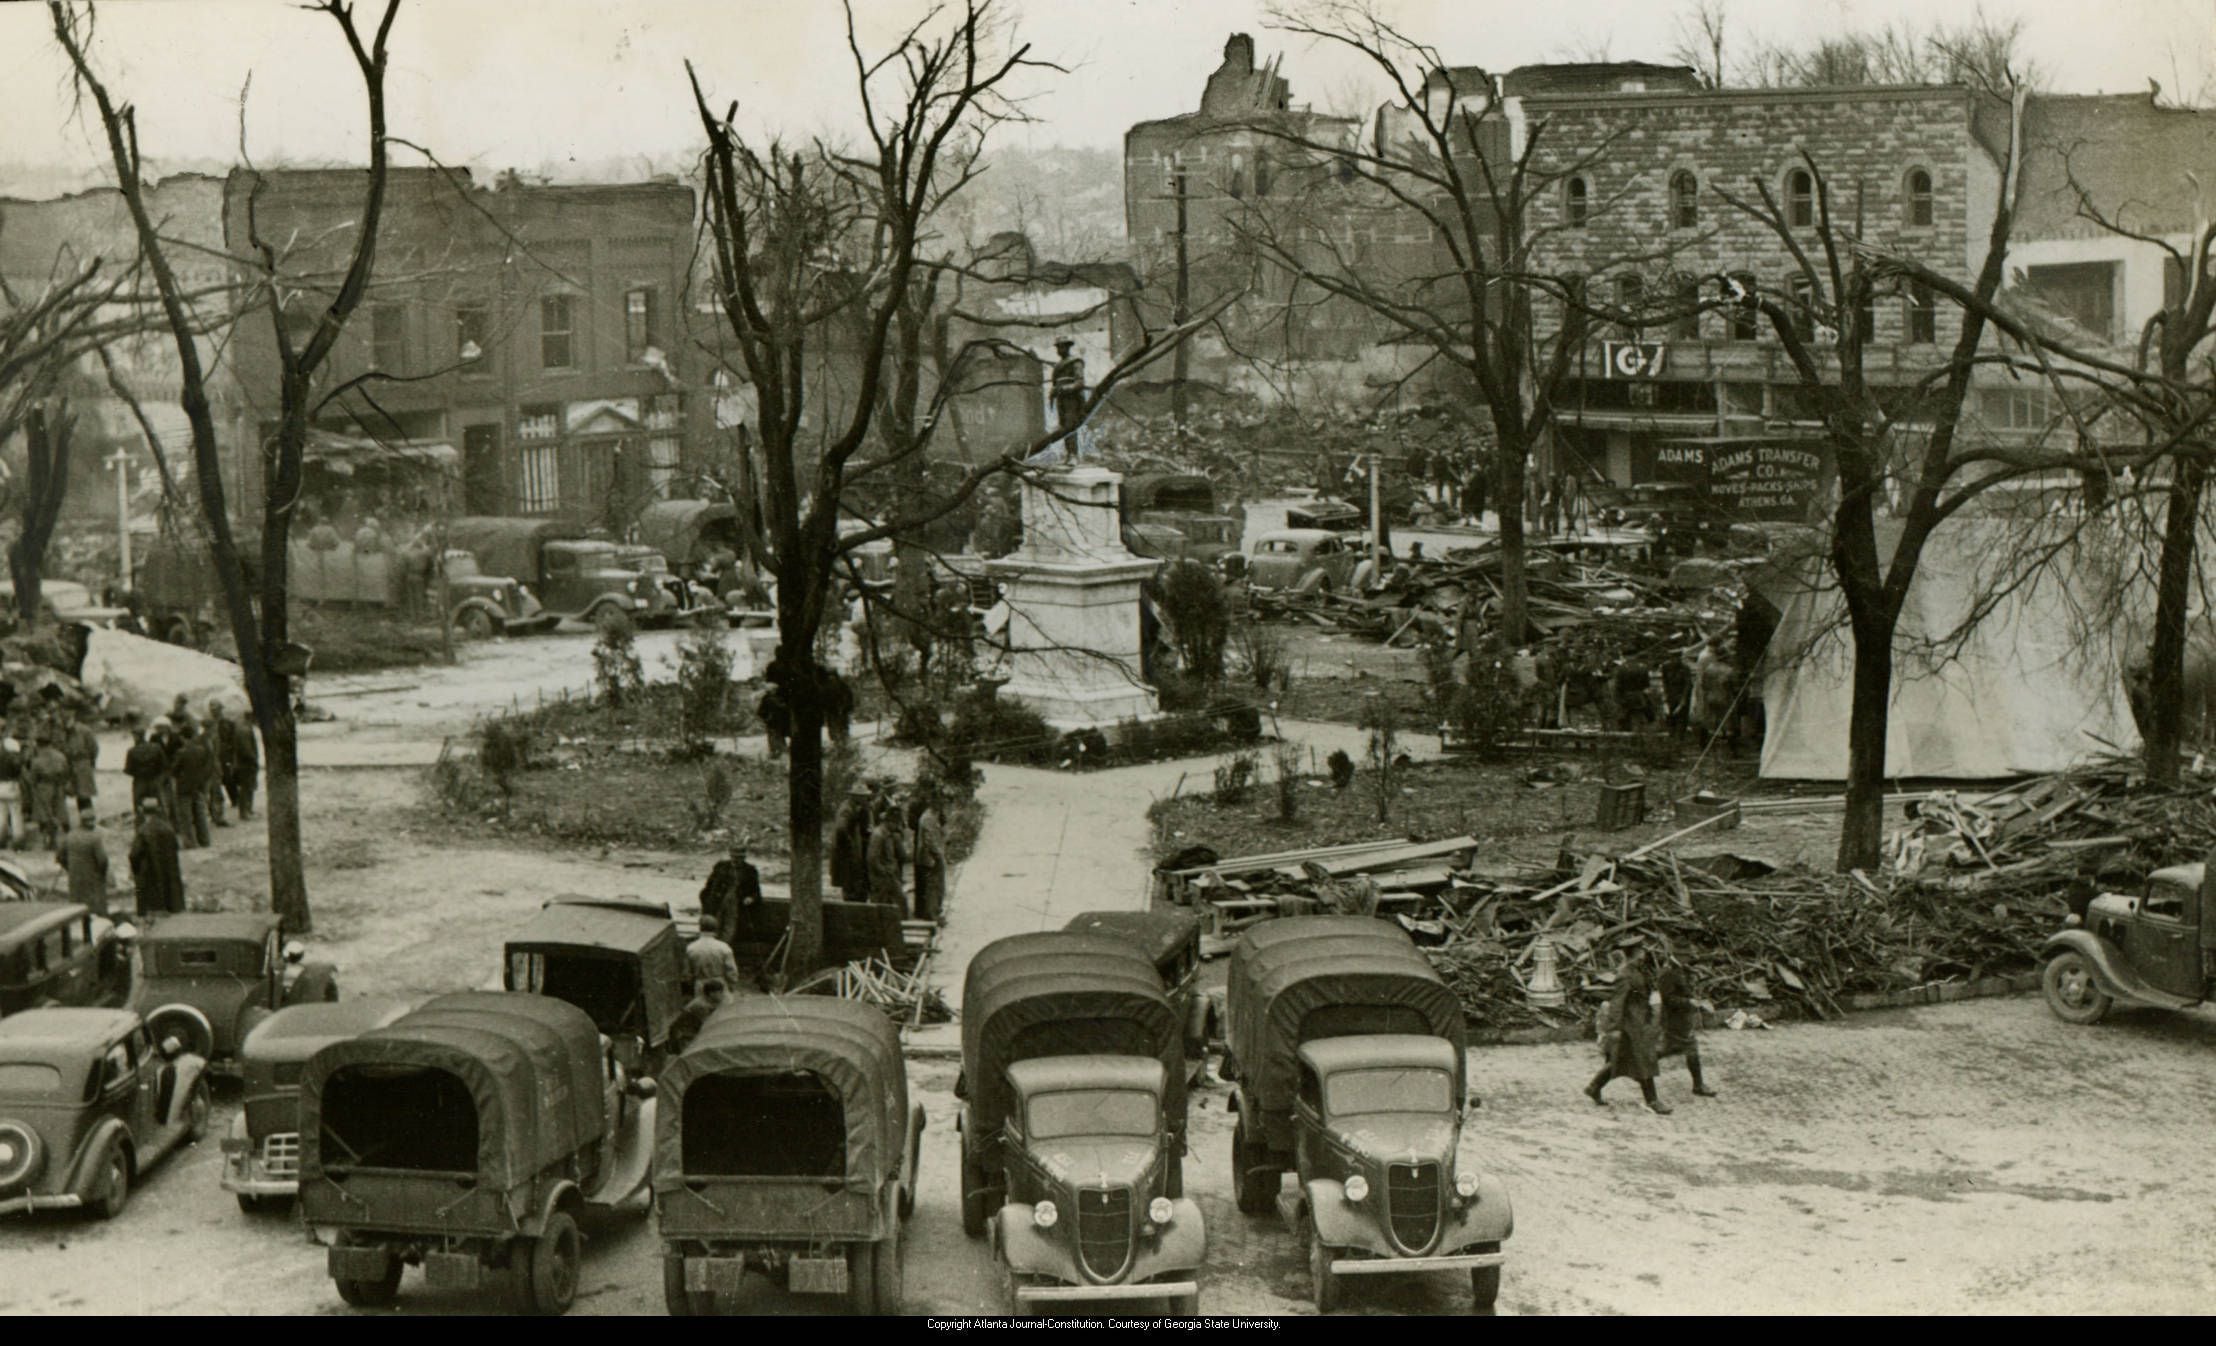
503, 82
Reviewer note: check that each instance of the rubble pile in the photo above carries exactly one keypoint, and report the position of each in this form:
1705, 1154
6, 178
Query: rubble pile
906, 997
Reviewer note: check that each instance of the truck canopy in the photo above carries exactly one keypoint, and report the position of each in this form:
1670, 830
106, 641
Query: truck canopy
687, 531
1063, 994
508, 548
1167, 937
1300, 978
850, 1046
1177, 492
622, 963
531, 1064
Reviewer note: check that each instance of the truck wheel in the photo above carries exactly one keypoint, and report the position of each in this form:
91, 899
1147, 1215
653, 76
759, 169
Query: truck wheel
1253, 1188
372, 1294
474, 624
861, 1279
249, 1204
2072, 992
1322, 1280
1485, 1282
683, 1303
973, 1195
891, 1282
115, 1185
553, 1265
197, 1109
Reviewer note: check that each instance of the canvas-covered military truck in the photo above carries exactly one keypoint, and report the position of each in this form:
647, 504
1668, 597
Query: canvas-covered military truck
1347, 1052
621, 962
1073, 1122
467, 1138
574, 577
786, 1145
181, 600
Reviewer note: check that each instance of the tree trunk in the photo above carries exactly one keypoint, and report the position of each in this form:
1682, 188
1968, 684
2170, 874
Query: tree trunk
288, 879
2165, 728
1862, 831
804, 820
25, 572
1515, 588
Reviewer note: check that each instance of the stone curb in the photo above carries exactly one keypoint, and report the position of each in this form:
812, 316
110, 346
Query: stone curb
1937, 993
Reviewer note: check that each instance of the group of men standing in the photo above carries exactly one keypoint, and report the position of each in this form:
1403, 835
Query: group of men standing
877, 836
183, 771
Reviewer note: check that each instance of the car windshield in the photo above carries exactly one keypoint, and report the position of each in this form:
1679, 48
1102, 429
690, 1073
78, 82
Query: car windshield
1090, 1112
2167, 899
1397, 1090
29, 1079
1281, 547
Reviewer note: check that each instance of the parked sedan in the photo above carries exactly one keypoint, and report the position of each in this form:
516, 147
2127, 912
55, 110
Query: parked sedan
1303, 560
87, 1104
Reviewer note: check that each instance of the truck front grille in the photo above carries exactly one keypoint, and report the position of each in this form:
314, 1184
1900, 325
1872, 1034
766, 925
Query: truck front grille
1412, 1203
1104, 1231
281, 1155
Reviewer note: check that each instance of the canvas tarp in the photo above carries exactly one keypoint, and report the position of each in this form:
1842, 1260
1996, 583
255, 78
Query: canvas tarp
849, 1045
2019, 692
1284, 971
145, 677
532, 1065
1062, 994
644, 944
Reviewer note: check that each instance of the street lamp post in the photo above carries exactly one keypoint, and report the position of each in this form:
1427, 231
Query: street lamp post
119, 463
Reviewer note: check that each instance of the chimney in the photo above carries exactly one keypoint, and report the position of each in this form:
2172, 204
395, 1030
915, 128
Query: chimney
1238, 52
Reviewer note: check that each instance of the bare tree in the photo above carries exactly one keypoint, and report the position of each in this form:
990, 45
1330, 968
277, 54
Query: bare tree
814, 246
259, 614
1701, 31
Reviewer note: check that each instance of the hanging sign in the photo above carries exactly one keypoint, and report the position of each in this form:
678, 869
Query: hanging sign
1632, 359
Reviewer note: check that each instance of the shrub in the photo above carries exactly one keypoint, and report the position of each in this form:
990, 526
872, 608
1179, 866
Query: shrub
459, 786
1263, 656
503, 749
1341, 768
1381, 724
986, 726
1234, 779
616, 673
703, 684
1487, 711
1437, 656
1286, 758
918, 722
1199, 618
715, 796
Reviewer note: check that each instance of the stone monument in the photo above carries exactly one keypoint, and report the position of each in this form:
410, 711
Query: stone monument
1072, 591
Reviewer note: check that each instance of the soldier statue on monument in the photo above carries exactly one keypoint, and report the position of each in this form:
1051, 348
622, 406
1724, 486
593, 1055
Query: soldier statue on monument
1069, 395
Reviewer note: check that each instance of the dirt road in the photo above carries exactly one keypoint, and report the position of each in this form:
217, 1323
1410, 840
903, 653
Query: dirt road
1978, 1157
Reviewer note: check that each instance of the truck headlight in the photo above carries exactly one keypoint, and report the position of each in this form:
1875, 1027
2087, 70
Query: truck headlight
632, 585
1160, 1210
1358, 1188
1044, 1215
1465, 1185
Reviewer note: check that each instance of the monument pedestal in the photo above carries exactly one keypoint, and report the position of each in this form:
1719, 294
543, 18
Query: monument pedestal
1073, 598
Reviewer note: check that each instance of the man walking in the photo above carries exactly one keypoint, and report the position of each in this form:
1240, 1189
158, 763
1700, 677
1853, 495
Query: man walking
708, 958
732, 886
83, 857
83, 752
157, 873
193, 771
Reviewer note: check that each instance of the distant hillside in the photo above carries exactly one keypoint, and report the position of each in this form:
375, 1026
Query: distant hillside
1069, 200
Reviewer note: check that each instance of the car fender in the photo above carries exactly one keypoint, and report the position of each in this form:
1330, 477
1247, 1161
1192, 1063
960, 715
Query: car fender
562, 1195
2108, 967
1489, 1219
92, 1154
1028, 1249
1341, 1223
316, 983
1178, 1246
489, 607
190, 1070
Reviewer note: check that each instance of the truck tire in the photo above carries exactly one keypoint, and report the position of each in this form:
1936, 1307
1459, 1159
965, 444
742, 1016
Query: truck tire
1485, 1282
861, 1279
1323, 1282
683, 1303
475, 624
1253, 1187
973, 1194
2072, 991
115, 1184
552, 1263
372, 1294
891, 1282
198, 1108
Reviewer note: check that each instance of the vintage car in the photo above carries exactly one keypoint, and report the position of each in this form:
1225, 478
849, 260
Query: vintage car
621, 962
786, 1145
1332, 516
2156, 949
467, 1137
574, 577
1073, 1101
691, 533
88, 1103
1304, 560
690, 602
207, 978
261, 1153
59, 953
1347, 1052
1172, 940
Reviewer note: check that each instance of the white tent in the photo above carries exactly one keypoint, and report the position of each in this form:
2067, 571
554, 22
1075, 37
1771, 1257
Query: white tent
2020, 692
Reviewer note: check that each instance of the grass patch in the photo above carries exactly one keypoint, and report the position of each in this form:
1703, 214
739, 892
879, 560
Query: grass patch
359, 641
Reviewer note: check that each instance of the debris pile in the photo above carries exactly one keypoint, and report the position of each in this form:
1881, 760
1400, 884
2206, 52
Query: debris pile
907, 998
1396, 879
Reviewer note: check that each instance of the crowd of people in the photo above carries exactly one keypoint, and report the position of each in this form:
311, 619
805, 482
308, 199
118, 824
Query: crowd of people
188, 776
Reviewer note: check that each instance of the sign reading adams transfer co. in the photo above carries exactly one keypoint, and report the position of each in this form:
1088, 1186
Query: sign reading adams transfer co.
1763, 481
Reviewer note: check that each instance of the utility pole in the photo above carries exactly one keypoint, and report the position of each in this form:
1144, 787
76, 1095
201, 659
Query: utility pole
119, 463
1181, 306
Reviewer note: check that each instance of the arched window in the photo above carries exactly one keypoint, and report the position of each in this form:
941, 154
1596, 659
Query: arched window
1576, 202
1919, 197
1684, 200
1232, 178
1262, 173
1800, 198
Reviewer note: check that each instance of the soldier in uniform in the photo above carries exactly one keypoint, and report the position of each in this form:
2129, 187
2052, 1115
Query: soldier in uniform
1069, 393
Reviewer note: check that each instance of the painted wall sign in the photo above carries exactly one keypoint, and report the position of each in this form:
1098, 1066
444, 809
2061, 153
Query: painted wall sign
1633, 359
